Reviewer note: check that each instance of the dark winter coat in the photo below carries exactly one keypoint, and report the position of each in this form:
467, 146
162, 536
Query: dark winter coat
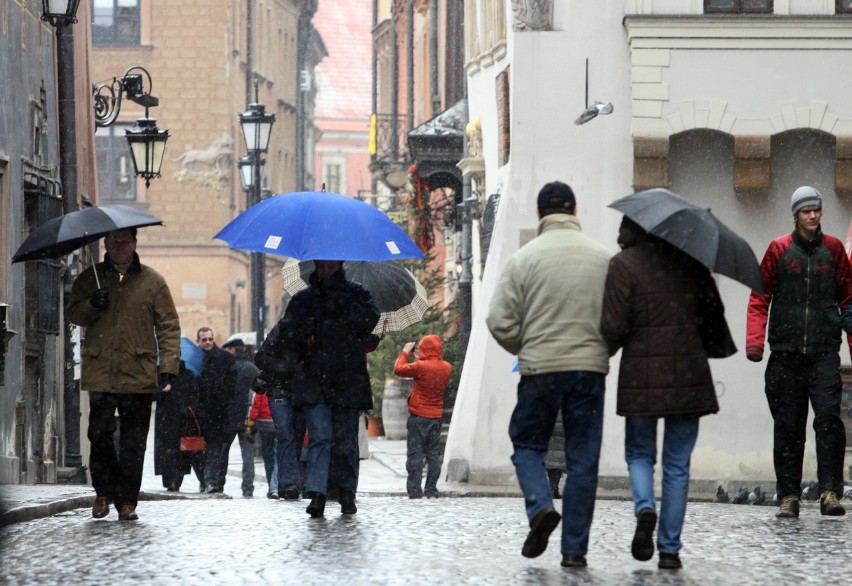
316, 350
172, 420
807, 284
125, 341
217, 385
657, 302
241, 400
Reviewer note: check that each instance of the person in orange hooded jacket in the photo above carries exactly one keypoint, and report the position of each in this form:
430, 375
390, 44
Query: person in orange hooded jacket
431, 373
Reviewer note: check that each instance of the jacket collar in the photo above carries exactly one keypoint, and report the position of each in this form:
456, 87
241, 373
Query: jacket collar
134, 269
558, 222
808, 246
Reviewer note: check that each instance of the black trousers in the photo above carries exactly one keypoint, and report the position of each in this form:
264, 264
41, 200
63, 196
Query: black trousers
117, 474
792, 382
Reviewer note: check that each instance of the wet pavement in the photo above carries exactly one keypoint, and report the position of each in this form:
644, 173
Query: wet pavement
204, 539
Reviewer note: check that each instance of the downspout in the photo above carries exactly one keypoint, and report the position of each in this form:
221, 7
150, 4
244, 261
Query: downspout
394, 112
375, 94
433, 57
409, 17
304, 36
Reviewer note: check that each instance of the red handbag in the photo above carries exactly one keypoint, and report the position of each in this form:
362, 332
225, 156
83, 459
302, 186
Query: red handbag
193, 443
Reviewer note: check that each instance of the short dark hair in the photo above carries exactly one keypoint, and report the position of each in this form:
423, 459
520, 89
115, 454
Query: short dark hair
235, 343
556, 198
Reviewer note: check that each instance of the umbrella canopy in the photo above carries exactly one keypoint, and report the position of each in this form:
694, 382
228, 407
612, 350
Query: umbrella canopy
695, 231
317, 225
192, 355
398, 295
65, 234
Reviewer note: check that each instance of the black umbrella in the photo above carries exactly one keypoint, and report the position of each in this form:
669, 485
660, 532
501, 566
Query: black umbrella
398, 295
695, 231
65, 234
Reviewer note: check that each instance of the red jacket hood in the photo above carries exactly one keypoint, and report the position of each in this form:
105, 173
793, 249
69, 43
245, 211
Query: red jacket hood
430, 348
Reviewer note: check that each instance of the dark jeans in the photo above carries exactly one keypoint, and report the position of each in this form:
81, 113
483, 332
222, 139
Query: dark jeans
424, 442
215, 456
332, 452
793, 380
118, 474
580, 396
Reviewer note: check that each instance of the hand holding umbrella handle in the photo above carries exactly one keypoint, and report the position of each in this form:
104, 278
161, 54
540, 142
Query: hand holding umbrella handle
100, 299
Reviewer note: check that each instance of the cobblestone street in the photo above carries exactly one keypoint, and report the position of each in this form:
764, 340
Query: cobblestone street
393, 540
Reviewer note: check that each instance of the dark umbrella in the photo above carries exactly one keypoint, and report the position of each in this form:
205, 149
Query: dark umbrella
398, 295
695, 231
64, 234
317, 225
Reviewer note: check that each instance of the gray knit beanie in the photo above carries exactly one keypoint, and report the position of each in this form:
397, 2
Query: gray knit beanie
805, 196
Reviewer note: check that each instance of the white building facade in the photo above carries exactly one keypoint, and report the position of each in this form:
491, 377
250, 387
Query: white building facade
732, 111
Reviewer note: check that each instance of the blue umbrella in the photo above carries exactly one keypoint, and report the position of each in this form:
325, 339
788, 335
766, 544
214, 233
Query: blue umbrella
317, 225
192, 355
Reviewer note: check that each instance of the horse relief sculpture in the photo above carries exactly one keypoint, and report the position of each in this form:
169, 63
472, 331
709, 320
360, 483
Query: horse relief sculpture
532, 15
210, 167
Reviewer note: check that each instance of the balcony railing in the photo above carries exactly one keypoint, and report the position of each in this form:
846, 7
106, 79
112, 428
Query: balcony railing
391, 139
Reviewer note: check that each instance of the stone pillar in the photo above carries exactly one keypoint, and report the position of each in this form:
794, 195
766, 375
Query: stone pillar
650, 162
752, 163
843, 166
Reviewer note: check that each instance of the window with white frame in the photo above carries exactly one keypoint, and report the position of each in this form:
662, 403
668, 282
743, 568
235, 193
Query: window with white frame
116, 178
115, 22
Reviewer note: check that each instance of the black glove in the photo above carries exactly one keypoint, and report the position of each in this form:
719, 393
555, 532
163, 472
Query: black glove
100, 299
263, 383
165, 378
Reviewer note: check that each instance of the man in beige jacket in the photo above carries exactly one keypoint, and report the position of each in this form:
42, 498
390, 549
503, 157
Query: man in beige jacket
547, 310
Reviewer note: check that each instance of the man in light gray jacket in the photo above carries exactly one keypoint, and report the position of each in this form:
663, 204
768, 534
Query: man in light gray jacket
547, 310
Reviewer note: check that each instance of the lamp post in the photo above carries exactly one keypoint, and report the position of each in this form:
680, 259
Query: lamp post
61, 14
147, 142
257, 126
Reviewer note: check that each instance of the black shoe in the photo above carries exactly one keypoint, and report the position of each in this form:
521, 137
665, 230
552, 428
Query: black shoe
173, 487
643, 540
317, 507
574, 561
669, 561
290, 493
347, 502
540, 529
248, 494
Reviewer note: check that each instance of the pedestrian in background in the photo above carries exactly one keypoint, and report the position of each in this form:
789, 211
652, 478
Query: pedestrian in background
172, 419
546, 309
664, 373
217, 386
316, 353
131, 350
238, 413
431, 374
259, 422
807, 281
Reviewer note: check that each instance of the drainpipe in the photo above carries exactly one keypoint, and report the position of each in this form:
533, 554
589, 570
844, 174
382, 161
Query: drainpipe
394, 105
304, 35
375, 93
433, 57
409, 17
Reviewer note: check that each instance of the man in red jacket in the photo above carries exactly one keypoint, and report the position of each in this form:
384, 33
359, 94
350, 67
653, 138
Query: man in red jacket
807, 280
431, 373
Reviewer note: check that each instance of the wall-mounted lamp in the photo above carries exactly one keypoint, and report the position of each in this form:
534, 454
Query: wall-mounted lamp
246, 167
147, 141
59, 12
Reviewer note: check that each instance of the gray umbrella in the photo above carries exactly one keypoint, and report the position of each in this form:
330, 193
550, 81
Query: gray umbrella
695, 231
398, 295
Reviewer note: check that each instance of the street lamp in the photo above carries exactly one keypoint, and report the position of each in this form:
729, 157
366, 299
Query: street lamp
257, 126
59, 12
147, 142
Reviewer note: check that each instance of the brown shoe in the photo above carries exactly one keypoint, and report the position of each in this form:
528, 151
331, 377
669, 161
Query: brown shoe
127, 513
829, 505
574, 561
789, 508
540, 529
101, 507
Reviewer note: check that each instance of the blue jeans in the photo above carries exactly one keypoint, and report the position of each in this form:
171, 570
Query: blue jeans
269, 452
332, 448
580, 396
640, 451
285, 445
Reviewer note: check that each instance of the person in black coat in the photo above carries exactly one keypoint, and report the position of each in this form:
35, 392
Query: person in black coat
317, 357
217, 385
238, 413
172, 421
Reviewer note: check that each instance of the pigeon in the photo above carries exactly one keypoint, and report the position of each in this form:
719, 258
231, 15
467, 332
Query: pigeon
592, 111
721, 495
847, 492
756, 497
741, 497
810, 492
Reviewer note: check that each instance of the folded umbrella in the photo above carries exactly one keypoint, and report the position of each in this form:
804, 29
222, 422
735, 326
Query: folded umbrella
695, 231
398, 295
318, 225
